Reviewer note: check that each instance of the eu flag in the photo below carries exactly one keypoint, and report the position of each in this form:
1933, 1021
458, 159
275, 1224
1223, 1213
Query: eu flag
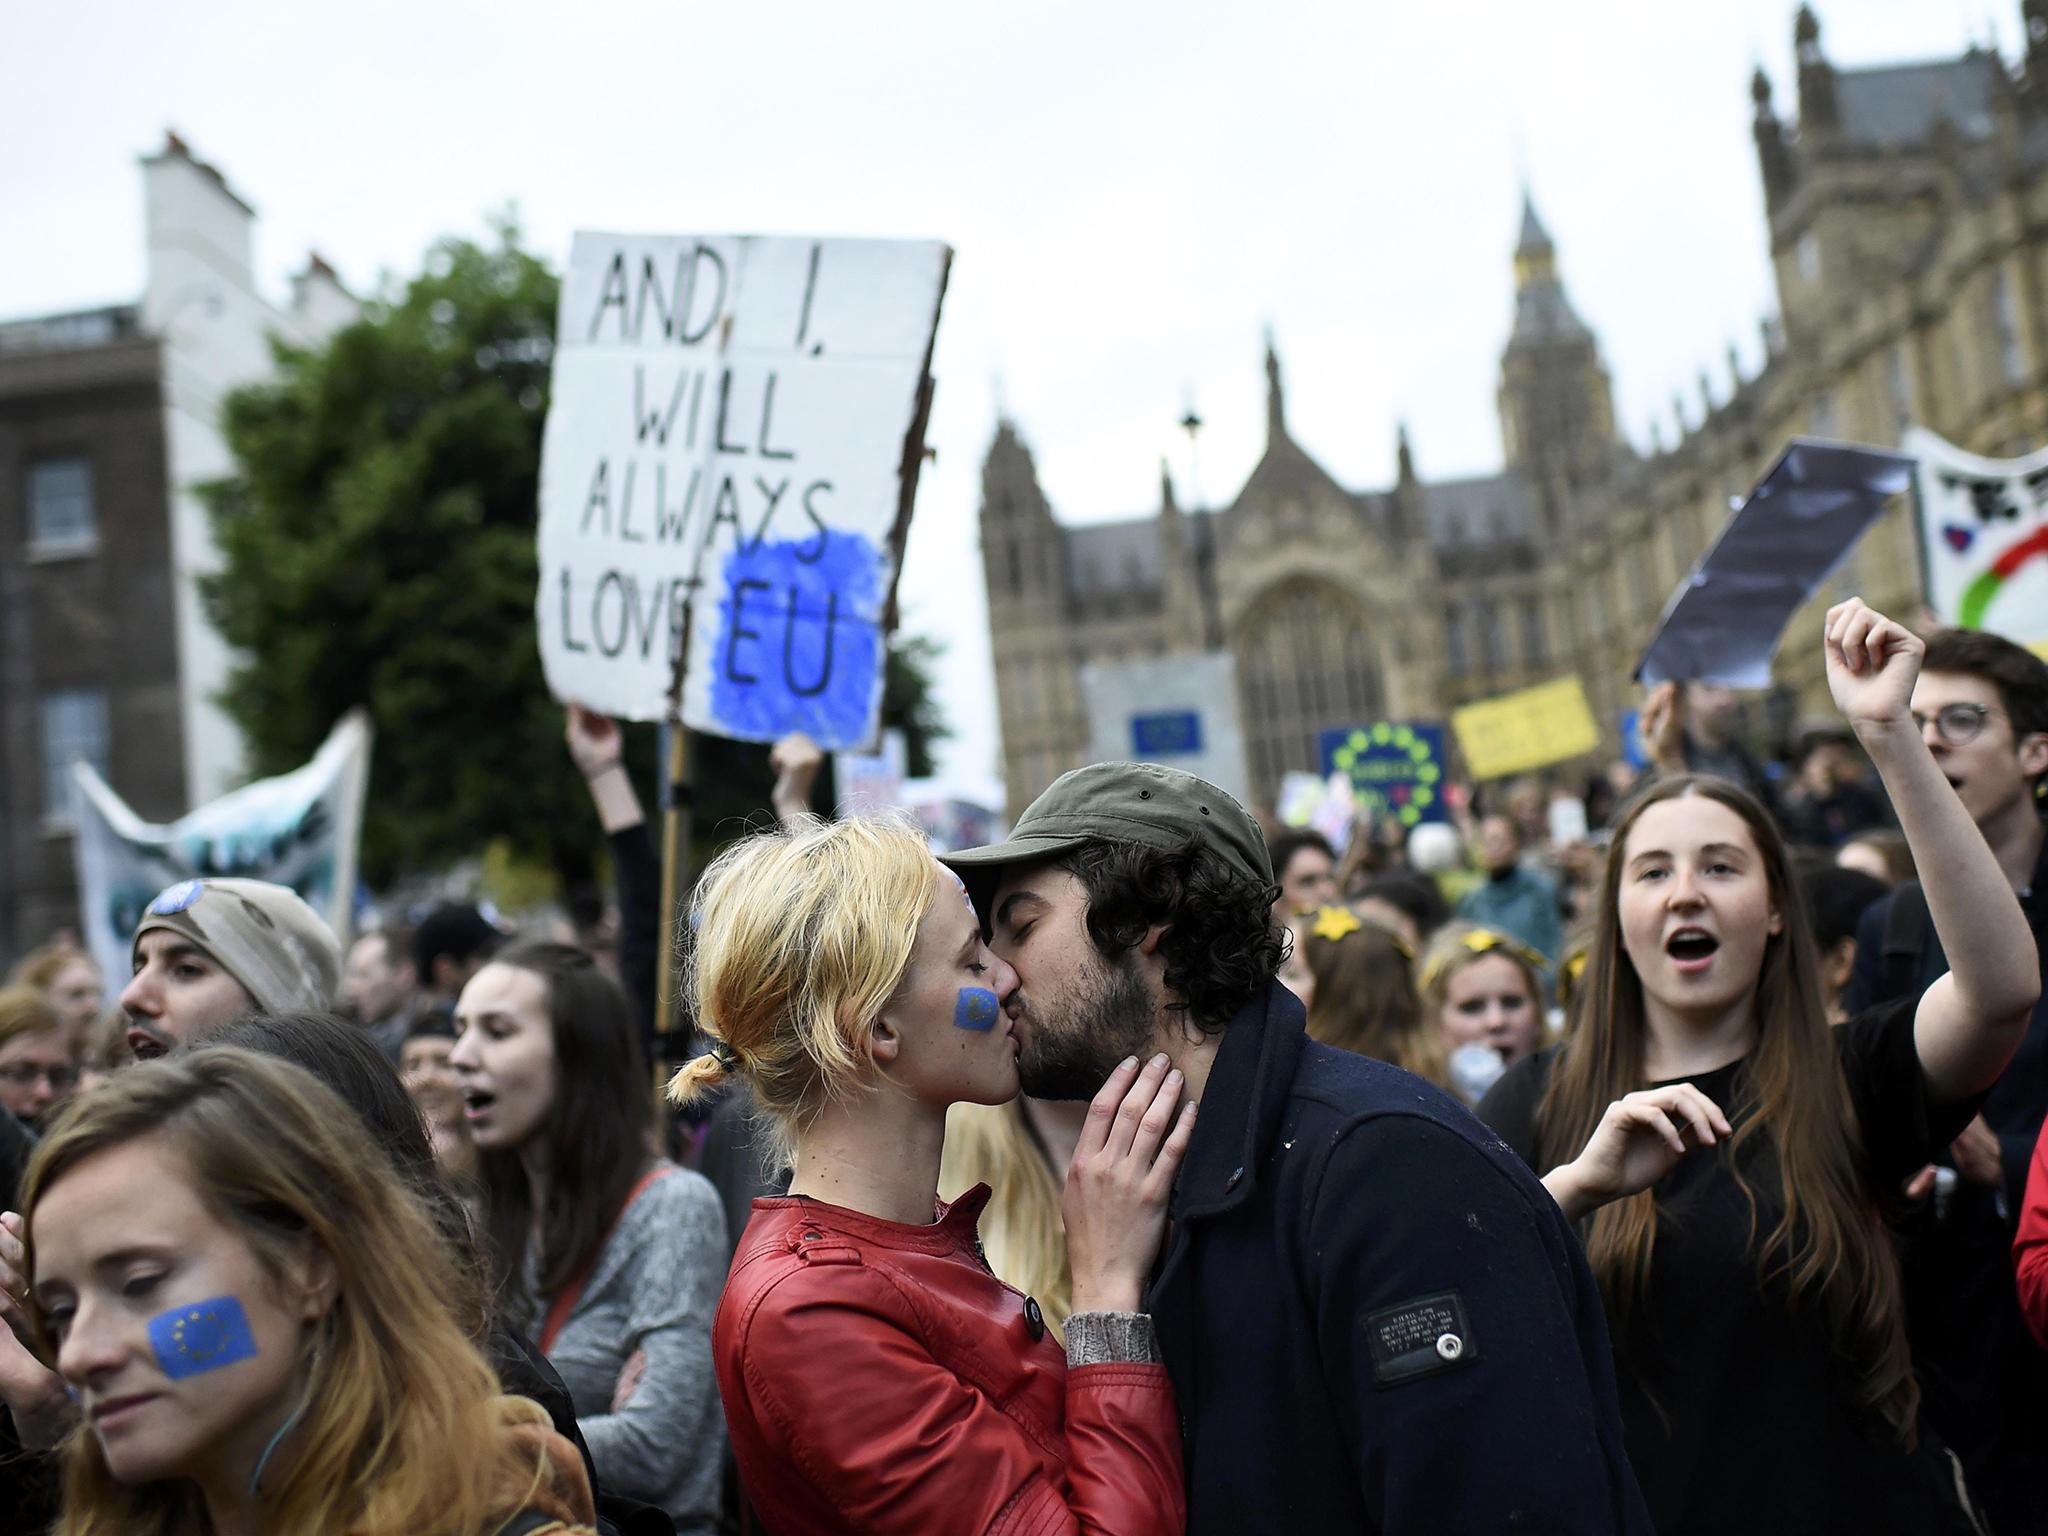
201, 1337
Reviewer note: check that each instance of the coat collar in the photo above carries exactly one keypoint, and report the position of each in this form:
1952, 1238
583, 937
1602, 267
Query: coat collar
1242, 1106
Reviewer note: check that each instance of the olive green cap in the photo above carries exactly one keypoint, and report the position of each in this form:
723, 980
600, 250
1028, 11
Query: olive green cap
1127, 803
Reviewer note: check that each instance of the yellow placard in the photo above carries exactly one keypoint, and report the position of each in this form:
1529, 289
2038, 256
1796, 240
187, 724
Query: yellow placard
1531, 728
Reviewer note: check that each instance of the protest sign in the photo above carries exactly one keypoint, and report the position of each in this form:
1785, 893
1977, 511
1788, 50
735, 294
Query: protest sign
870, 783
1531, 728
1319, 804
1176, 710
300, 829
734, 432
1983, 537
1395, 769
1722, 624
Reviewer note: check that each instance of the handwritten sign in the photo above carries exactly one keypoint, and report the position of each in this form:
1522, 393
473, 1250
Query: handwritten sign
1531, 728
731, 424
1395, 769
1984, 537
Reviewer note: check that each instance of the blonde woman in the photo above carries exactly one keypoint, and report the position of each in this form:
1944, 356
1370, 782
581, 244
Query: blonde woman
248, 1312
1484, 993
38, 1056
1020, 1150
877, 1377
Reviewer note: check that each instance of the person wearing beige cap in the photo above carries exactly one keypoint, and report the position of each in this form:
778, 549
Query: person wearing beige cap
208, 951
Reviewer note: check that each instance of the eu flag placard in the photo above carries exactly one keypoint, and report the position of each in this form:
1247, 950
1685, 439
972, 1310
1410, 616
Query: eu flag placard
203, 1336
1396, 768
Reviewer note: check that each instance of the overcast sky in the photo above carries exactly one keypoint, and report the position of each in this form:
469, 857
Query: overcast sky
1134, 193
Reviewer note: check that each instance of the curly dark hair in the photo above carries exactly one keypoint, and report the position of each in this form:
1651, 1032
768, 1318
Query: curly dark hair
1221, 944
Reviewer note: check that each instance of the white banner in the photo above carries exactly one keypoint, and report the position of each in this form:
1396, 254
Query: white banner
729, 428
1177, 710
301, 829
1984, 538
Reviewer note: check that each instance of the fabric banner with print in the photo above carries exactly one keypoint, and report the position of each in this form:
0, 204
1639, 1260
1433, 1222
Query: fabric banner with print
1984, 538
300, 829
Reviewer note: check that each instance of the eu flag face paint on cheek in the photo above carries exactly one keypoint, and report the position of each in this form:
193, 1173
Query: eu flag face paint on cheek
203, 1336
976, 1009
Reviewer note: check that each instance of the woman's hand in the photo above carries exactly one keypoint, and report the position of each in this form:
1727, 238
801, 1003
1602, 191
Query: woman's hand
32, 1392
1660, 729
1638, 1141
593, 740
1124, 1166
1872, 663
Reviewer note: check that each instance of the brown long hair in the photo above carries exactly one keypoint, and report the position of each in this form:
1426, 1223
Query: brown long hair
1829, 1246
1365, 1000
404, 1433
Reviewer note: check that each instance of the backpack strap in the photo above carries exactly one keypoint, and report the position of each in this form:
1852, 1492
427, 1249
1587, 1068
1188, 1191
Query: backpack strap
572, 1292
1908, 925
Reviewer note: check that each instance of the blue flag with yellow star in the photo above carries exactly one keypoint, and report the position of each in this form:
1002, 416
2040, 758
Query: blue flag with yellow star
203, 1336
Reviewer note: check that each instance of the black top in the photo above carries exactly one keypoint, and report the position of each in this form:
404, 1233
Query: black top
1738, 1416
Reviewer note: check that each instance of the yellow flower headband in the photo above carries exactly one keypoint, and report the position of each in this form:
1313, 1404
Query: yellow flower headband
1335, 923
1569, 973
1482, 941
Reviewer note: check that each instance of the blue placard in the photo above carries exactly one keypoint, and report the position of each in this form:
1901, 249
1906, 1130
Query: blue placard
1396, 768
1631, 740
1174, 734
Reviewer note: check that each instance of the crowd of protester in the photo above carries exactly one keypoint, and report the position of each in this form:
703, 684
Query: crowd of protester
1659, 1153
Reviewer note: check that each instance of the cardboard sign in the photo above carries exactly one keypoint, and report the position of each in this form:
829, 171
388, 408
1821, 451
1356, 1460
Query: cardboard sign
1528, 729
1176, 710
301, 829
731, 425
1722, 624
1984, 537
1395, 769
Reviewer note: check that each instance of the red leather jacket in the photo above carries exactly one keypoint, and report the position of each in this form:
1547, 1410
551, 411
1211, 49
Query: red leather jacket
878, 1378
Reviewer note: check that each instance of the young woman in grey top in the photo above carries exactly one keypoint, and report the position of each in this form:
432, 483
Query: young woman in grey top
614, 1255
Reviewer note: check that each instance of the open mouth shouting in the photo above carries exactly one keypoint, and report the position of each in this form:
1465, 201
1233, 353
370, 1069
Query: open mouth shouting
476, 1104
1691, 949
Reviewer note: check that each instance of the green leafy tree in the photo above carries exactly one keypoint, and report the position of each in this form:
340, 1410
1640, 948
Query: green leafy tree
378, 548
377, 540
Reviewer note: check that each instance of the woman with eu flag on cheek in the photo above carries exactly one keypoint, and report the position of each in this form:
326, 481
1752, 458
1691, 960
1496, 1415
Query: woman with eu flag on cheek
877, 1377
248, 1315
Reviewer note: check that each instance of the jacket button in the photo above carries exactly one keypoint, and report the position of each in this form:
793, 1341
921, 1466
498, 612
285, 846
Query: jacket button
1034, 1319
812, 1237
1450, 1346
1236, 1177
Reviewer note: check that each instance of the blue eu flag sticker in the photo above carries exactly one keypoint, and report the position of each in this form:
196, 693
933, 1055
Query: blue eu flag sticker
201, 1337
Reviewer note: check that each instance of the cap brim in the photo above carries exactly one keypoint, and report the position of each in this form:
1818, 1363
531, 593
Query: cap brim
1018, 850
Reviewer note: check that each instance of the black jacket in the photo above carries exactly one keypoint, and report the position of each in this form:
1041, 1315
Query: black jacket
1374, 1317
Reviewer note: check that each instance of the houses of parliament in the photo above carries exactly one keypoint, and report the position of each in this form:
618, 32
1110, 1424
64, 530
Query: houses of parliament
1908, 228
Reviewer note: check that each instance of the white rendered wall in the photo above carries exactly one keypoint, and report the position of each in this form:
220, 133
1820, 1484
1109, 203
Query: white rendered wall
201, 299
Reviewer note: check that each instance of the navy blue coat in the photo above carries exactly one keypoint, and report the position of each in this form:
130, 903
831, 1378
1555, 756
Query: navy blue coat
1375, 1318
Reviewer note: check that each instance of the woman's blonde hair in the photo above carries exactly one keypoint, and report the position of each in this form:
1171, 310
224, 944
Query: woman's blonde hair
1023, 1235
42, 965
25, 1011
1458, 945
403, 1433
802, 936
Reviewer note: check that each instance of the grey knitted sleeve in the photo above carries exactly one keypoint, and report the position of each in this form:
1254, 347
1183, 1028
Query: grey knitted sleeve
665, 1442
1106, 1338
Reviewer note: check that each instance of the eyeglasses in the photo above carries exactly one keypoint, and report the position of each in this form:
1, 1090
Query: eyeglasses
1956, 724
25, 1074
